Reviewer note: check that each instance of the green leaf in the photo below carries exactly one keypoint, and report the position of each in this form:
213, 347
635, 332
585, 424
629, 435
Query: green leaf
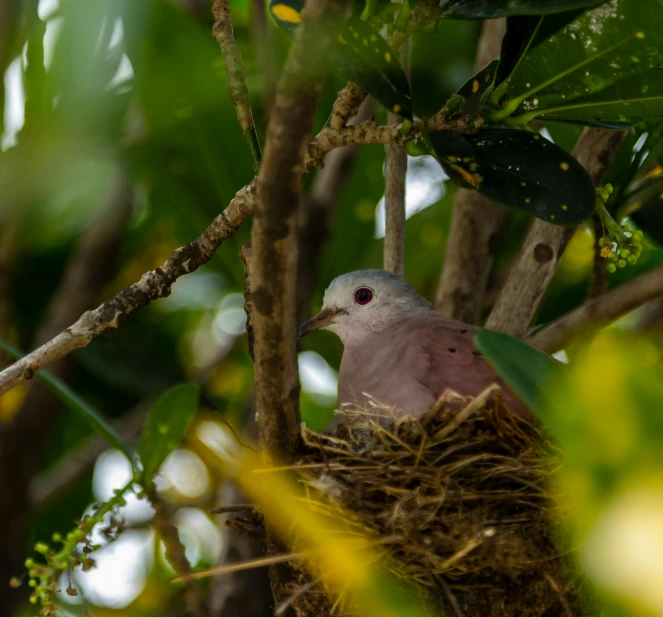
488, 9
524, 33
362, 56
166, 425
624, 103
86, 412
526, 370
520, 170
474, 89
605, 45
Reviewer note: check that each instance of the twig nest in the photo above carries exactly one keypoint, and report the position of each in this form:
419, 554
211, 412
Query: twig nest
459, 503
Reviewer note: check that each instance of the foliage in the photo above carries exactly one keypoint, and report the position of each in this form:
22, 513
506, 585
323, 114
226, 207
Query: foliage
133, 93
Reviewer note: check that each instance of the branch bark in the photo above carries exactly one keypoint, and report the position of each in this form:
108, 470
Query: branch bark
475, 225
239, 93
274, 241
152, 285
600, 311
394, 192
274, 238
528, 281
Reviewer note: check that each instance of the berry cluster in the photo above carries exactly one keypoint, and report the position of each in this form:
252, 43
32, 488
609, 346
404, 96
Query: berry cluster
74, 552
620, 245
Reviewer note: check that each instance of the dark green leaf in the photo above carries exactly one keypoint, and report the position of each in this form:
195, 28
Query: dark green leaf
520, 170
526, 370
474, 89
613, 42
362, 56
166, 424
524, 33
624, 103
488, 9
86, 412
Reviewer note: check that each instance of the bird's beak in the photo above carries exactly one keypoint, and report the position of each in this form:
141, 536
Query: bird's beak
323, 319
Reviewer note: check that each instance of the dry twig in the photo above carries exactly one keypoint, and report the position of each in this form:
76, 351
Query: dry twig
239, 93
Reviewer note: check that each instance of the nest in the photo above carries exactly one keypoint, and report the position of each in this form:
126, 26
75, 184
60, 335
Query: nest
459, 503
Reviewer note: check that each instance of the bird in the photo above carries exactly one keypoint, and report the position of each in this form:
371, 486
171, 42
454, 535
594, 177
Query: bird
397, 351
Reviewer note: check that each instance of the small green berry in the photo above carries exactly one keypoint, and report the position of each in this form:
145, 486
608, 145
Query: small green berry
29, 563
32, 583
639, 234
632, 260
613, 257
41, 547
624, 253
611, 267
57, 536
33, 599
621, 263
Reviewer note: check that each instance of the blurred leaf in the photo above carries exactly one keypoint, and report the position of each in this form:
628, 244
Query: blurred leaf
474, 89
166, 425
489, 9
605, 415
362, 56
602, 46
86, 412
520, 170
525, 369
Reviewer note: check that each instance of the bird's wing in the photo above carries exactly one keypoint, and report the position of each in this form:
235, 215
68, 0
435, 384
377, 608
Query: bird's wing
454, 363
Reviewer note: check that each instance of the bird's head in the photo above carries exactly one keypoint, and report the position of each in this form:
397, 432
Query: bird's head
363, 301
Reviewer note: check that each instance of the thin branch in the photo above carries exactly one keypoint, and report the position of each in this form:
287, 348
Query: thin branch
394, 192
600, 311
239, 93
195, 601
475, 225
530, 276
598, 282
152, 285
245, 256
346, 106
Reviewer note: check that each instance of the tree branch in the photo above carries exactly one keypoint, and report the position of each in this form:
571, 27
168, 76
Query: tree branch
239, 93
475, 225
274, 237
600, 311
152, 285
394, 192
530, 276
195, 602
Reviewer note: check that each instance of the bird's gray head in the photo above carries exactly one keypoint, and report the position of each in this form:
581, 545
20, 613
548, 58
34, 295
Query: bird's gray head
360, 302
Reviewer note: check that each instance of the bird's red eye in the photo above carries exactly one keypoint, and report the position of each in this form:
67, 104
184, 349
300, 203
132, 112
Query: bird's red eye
363, 295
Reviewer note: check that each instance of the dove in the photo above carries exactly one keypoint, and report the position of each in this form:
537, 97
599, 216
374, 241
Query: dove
396, 350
